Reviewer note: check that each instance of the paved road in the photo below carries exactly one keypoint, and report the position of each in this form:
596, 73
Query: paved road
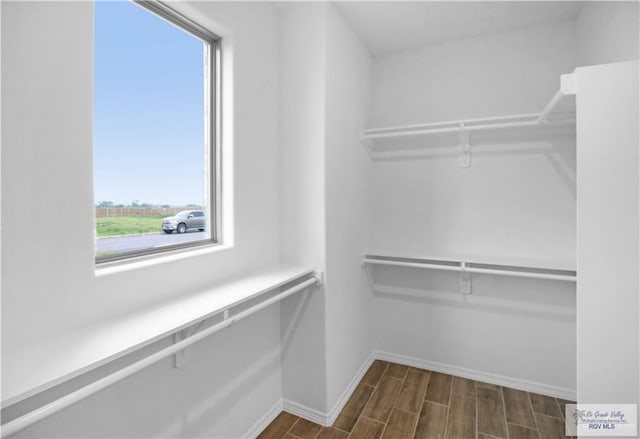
121, 244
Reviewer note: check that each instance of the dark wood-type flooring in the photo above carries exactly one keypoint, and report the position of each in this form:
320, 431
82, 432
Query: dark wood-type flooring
396, 401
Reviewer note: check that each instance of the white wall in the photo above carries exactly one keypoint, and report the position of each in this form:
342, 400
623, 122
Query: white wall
325, 103
515, 203
49, 286
348, 176
608, 238
608, 31
517, 199
302, 42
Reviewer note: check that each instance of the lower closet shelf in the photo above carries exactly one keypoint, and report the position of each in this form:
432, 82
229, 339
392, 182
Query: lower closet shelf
537, 271
499, 268
39, 367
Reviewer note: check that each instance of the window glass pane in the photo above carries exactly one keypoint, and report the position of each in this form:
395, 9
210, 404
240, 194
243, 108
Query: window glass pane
151, 158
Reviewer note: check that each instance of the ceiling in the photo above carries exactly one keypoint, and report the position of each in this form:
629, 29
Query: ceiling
391, 26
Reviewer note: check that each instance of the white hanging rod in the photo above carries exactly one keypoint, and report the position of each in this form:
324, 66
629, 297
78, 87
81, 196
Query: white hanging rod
567, 87
53, 407
464, 267
455, 123
462, 127
452, 129
442, 267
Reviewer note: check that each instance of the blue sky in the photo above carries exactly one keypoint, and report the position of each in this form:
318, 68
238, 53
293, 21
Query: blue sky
148, 133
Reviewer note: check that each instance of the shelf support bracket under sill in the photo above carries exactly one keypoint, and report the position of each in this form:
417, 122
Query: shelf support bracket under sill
464, 149
464, 281
181, 357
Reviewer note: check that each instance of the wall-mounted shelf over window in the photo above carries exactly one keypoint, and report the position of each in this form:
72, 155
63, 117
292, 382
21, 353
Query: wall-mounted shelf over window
397, 141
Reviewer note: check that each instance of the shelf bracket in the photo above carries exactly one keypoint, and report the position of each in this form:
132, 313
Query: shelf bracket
181, 357
464, 150
368, 144
464, 281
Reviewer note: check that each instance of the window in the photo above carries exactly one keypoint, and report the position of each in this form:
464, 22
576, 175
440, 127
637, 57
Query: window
156, 157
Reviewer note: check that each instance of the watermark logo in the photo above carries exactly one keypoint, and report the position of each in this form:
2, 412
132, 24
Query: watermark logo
601, 420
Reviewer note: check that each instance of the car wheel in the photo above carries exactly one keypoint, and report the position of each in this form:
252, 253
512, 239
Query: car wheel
182, 227
168, 232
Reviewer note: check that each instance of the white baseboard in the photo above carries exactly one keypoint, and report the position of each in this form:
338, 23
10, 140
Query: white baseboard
327, 419
305, 412
342, 401
264, 421
500, 380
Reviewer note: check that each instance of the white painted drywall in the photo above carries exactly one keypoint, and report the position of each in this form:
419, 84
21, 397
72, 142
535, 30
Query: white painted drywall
515, 202
348, 175
302, 42
49, 286
608, 31
325, 103
608, 261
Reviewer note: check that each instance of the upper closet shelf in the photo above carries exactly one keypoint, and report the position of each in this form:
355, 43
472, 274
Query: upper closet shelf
555, 113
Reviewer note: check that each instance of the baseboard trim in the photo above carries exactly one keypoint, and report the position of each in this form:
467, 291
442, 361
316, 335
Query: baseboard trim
342, 401
264, 421
305, 412
500, 380
327, 419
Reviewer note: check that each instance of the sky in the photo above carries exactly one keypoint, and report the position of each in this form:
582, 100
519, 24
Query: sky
148, 129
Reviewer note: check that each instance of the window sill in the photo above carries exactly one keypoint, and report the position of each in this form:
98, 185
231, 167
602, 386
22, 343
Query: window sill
138, 262
36, 368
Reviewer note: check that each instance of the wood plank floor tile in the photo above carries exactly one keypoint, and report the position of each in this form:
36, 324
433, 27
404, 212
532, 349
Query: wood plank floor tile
401, 425
432, 421
352, 410
374, 373
382, 400
550, 427
413, 392
305, 429
367, 429
279, 426
332, 433
461, 423
518, 408
396, 371
414, 374
487, 385
491, 416
394, 401
562, 403
439, 388
464, 386
545, 405
519, 432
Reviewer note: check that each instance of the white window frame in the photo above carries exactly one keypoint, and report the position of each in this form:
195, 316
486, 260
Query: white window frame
212, 159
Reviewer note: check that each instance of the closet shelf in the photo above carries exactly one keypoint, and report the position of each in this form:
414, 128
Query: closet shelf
465, 269
552, 115
466, 266
36, 368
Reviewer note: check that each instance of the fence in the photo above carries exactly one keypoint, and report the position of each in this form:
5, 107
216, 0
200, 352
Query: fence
102, 212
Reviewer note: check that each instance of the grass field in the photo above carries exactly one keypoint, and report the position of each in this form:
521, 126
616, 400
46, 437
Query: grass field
127, 225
